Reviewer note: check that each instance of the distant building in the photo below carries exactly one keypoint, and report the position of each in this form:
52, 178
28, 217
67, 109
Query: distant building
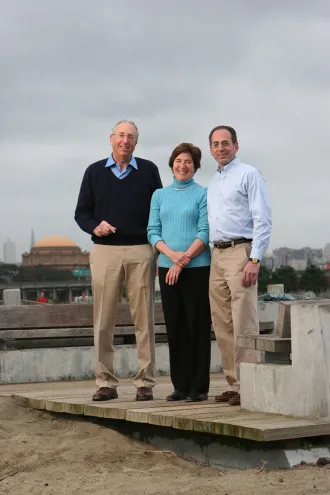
298, 265
9, 252
298, 257
326, 253
33, 241
57, 251
268, 262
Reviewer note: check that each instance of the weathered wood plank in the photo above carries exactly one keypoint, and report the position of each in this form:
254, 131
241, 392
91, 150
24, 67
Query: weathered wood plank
69, 406
74, 332
268, 343
63, 315
69, 317
114, 409
208, 417
32, 402
247, 342
139, 415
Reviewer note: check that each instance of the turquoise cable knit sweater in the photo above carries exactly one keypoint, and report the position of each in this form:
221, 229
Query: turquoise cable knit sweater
178, 215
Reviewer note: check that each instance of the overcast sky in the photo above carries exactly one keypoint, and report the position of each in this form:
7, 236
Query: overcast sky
71, 69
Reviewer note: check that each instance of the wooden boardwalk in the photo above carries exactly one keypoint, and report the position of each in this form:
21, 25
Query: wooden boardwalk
208, 417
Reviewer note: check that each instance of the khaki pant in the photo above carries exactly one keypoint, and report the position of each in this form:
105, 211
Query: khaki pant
233, 308
110, 266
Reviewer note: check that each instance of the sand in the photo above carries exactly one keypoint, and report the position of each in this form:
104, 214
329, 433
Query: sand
41, 453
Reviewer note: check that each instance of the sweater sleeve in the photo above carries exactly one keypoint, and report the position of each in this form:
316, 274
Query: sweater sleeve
157, 180
84, 213
154, 224
203, 224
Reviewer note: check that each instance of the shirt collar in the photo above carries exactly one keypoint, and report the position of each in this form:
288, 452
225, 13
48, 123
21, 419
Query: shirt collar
229, 166
111, 162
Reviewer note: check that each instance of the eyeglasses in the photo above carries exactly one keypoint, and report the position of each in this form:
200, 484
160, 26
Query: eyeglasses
122, 135
216, 144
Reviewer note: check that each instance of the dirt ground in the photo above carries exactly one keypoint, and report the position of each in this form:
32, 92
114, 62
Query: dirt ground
45, 454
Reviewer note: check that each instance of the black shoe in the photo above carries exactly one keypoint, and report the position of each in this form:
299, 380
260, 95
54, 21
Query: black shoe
197, 397
176, 396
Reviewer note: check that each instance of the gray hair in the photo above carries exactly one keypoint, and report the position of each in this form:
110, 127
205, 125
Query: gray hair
127, 122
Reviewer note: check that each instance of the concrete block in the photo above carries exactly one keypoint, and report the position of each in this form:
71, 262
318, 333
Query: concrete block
263, 387
303, 388
275, 289
228, 455
268, 311
12, 297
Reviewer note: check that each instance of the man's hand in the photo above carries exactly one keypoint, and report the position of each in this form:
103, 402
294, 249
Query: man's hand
250, 274
179, 258
104, 229
173, 274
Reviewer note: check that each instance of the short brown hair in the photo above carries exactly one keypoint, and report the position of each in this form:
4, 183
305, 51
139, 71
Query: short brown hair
227, 128
193, 151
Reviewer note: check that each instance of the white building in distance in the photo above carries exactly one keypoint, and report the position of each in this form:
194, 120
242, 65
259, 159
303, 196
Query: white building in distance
9, 252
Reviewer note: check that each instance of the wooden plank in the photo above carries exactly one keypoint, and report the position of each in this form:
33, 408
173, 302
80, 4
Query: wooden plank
268, 343
69, 406
74, 332
32, 402
247, 342
46, 343
114, 409
63, 315
208, 417
165, 409
273, 344
277, 427
186, 421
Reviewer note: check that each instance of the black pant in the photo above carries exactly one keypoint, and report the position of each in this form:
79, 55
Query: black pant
188, 324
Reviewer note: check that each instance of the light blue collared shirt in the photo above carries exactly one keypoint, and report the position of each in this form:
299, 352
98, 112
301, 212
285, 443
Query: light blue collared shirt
238, 206
121, 174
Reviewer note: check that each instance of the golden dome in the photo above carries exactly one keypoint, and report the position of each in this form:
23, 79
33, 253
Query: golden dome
55, 241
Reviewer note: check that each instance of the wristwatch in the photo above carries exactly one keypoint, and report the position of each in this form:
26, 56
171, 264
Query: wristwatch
255, 261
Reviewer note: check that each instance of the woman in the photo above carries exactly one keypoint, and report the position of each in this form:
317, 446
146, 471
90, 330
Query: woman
178, 229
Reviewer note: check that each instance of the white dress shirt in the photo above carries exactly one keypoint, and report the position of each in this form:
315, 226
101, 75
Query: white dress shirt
238, 206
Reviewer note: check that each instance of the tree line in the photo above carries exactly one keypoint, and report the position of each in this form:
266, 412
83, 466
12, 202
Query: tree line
312, 279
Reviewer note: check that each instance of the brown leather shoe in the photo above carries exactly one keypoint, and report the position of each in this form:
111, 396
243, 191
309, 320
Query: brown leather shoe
235, 400
105, 393
226, 396
144, 393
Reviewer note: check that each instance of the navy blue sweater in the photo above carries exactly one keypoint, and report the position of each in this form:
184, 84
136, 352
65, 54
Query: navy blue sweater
124, 203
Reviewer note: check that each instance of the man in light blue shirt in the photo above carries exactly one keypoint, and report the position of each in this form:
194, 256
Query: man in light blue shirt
240, 226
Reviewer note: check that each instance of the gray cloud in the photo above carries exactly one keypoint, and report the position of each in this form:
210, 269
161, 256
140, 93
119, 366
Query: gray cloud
70, 69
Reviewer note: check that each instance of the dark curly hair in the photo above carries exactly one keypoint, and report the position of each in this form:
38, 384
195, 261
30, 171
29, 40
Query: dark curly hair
193, 151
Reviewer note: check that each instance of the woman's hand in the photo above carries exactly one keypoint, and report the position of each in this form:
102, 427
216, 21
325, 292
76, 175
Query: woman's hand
179, 258
172, 275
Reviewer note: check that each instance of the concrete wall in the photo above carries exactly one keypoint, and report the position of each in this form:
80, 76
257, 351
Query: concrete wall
77, 363
302, 388
268, 311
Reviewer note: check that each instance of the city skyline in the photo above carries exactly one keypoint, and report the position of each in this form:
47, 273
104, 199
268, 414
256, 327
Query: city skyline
269, 253
66, 85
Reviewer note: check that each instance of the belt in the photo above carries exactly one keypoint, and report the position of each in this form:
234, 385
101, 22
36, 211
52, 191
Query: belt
224, 245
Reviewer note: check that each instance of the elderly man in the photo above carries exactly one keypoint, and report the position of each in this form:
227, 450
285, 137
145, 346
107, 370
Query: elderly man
240, 227
113, 207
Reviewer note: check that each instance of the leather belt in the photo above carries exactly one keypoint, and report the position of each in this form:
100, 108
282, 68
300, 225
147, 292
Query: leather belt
224, 245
